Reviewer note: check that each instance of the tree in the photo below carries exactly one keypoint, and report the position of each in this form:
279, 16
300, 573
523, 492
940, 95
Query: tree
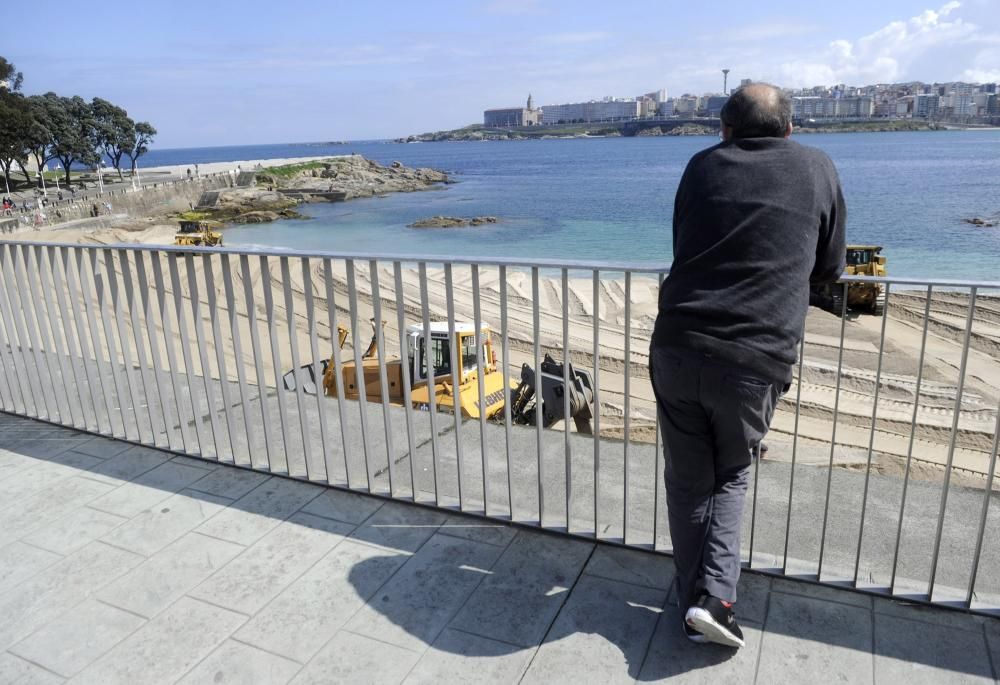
15, 128
71, 131
38, 137
144, 133
114, 131
10, 76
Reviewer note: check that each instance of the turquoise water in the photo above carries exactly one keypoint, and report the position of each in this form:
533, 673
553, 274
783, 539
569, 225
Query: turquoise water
612, 199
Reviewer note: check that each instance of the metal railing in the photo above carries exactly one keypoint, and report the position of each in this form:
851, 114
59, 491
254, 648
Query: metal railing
878, 477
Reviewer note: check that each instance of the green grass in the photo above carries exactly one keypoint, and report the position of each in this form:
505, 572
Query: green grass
194, 216
291, 170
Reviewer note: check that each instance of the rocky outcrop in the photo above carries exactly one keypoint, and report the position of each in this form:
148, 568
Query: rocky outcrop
243, 206
453, 222
983, 223
348, 177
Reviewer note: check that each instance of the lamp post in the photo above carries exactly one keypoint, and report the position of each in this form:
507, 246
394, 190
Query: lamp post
725, 80
135, 176
41, 175
100, 178
57, 178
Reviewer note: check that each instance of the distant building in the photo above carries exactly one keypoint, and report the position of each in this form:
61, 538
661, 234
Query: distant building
582, 112
714, 103
925, 105
513, 116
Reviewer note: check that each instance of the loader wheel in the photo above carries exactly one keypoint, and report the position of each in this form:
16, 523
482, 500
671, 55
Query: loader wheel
837, 302
878, 306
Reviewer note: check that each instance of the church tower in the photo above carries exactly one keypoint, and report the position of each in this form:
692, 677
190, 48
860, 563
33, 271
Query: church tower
531, 103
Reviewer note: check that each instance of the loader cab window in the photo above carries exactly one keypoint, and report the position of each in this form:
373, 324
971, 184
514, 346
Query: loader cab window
858, 257
469, 359
440, 354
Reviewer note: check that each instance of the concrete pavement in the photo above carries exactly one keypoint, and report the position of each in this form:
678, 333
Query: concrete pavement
125, 564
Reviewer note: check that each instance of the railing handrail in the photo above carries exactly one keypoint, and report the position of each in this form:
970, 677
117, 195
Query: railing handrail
573, 264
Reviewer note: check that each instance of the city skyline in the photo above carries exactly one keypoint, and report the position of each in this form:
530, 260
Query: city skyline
239, 75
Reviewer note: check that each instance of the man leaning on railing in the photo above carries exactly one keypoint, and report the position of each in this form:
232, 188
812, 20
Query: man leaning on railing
756, 219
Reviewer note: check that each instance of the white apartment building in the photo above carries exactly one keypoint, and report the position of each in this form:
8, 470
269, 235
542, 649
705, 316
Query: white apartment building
603, 110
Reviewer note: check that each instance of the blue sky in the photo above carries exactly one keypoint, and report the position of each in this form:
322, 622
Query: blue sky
229, 73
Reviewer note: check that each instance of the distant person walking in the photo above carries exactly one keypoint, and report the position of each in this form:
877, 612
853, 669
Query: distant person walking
756, 219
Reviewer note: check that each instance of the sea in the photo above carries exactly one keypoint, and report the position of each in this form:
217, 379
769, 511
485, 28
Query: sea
611, 199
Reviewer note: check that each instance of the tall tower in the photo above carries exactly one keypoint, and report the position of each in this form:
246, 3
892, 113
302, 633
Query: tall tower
725, 81
531, 103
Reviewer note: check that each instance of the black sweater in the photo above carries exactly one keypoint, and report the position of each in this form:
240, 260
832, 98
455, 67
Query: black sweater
755, 221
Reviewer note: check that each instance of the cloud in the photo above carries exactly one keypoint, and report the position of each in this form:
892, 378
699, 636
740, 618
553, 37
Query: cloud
887, 54
985, 67
762, 31
512, 7
580, 38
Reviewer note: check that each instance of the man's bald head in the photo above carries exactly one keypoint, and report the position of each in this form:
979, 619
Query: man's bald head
758, 110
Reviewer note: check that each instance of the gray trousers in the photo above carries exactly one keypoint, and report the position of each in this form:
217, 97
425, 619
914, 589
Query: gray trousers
712, 416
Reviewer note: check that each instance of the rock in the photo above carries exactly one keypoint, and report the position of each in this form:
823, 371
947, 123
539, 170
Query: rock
453, 222
983, 223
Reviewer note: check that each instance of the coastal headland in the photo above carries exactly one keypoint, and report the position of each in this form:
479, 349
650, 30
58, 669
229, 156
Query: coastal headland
652, 127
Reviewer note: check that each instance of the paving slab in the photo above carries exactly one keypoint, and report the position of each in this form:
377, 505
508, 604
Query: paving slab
260, 572
40, 478
231, 483
78, 637
524, 590
350, 658
470, 528
671, 656
805, 636
631, 566
16, 671
412, 608
398, 527
19, 561
45, 507
920, 653
830, 594
156, 527
36, 601
600, 635
148, 490
103, 448
165, 648
159, 581
343, 506
75, 530
238, 664
250, 517
312, 609
127, 465
461, 657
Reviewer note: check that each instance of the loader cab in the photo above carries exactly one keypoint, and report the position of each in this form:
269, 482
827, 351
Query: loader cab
865, 260
441, 351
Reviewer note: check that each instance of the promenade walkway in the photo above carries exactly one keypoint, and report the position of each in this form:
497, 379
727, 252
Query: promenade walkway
122, 564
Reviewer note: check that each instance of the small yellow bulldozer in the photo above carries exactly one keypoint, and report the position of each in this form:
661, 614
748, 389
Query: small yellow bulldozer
862, 260
533, 398
198, 233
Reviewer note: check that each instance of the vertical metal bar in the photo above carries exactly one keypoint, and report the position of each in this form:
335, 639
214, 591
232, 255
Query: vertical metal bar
456, 378
597, 400
987, 493
753, 503
913, 432
8, 371
359, 369
140, 349
871, 436
234, 326
137, 398
272, 331
26, 333
539, 381
220, 353
429, 378
57, 329
567, 450
481, 361
833, 435
293, 343
317, 367
338, 373
15, 339
406, 361
108, 286
258, 363
505, 352
383, 380
155, 259
203, 361
86, 318
11, 368
795, 446
154, 349
175, 284
34, 321
656, 462
951, 443
628, 392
